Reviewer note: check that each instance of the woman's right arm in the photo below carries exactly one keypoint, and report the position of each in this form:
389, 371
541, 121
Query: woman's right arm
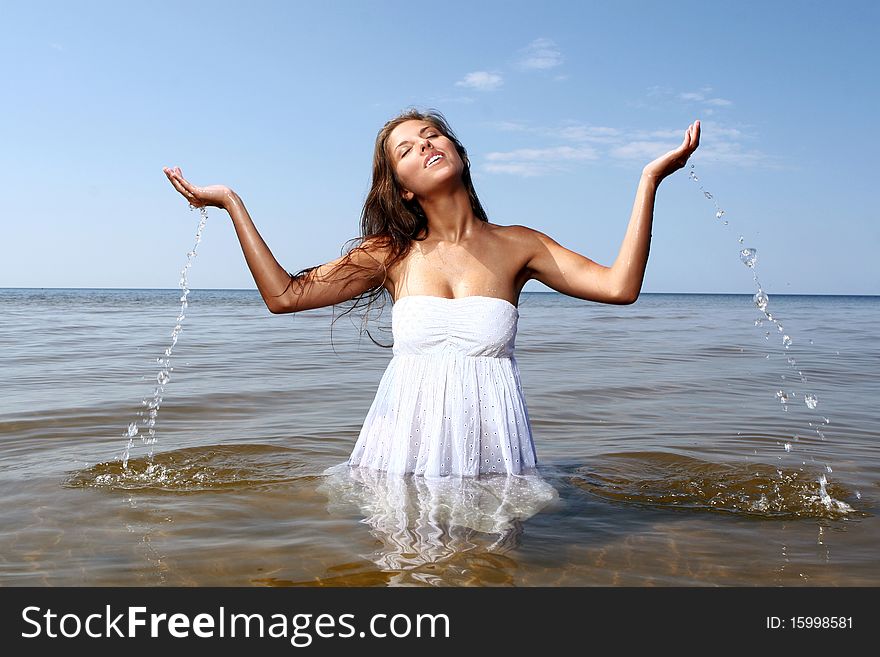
325, 285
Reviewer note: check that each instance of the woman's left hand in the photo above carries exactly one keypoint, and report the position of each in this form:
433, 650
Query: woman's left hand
675, 160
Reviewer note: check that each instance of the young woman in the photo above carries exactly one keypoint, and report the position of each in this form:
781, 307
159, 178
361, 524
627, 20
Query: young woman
451, 401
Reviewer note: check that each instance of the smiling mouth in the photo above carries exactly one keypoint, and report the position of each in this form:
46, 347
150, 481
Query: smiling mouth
434, 160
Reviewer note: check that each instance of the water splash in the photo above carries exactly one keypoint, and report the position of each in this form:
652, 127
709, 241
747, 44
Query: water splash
198, 469
749, 257
152, 403
673, 481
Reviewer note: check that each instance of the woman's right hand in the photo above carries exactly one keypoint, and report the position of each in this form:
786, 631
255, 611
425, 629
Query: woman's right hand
215, 195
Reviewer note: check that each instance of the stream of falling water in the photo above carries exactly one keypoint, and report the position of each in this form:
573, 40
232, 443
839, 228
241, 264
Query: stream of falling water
749, 257
152, 403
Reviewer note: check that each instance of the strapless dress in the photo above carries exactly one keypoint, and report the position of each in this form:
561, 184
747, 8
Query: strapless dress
450, 402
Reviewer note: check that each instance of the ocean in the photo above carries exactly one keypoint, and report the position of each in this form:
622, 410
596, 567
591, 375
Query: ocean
679, 444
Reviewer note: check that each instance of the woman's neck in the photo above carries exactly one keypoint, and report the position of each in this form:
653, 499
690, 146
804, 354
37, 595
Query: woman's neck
450, 216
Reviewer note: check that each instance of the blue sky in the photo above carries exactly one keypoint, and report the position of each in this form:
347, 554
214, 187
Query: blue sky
560, 105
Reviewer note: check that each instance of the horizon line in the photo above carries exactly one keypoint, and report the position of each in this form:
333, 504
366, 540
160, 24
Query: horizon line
253, 289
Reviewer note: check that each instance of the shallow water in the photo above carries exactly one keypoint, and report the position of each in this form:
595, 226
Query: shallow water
657, 426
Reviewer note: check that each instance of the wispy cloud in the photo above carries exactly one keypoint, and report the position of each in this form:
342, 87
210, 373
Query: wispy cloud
481, 81
451, 99
703, 98
640, 150
509, 126
537, 161
569, 131
620, 146
56, 46
540, 54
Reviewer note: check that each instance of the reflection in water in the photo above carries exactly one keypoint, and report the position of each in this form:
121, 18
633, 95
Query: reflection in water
423, 521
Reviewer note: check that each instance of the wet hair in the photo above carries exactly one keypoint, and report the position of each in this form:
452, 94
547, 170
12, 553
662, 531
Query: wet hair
388, 220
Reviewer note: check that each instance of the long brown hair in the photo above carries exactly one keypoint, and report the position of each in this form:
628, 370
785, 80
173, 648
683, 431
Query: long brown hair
390, 221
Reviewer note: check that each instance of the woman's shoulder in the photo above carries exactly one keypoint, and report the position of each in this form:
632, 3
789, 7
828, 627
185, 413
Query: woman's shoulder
377, 246
515, 234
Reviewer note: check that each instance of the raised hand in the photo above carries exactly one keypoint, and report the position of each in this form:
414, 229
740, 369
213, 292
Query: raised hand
215, 195
675, 159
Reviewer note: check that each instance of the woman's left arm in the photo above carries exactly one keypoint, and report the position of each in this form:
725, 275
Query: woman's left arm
575, 275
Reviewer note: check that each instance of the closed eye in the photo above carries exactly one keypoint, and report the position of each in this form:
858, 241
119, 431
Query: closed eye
409, 149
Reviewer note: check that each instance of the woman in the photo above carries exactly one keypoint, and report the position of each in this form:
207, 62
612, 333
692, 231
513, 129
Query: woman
450, 402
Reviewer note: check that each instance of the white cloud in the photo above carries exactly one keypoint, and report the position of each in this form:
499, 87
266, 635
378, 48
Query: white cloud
724, 147
546, 154
508, 126
524, 169
537, 161
572, 131
579, 132
451, 99
540, 54
719, 144
702, 97
641, 150
481, 81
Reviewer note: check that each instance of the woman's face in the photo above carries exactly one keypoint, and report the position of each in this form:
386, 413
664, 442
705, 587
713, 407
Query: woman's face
411, 147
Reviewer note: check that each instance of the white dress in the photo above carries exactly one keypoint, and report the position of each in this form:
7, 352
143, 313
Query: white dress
450, 402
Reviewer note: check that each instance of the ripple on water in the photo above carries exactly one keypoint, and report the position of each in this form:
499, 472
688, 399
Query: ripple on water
665, 480
209, 468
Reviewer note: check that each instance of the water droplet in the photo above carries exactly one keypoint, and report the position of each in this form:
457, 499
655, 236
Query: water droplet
783, 398
761, 299
164, 375
749, 257
811, 401
787, 447
708, 195
719, 214
786, 340
828, 467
